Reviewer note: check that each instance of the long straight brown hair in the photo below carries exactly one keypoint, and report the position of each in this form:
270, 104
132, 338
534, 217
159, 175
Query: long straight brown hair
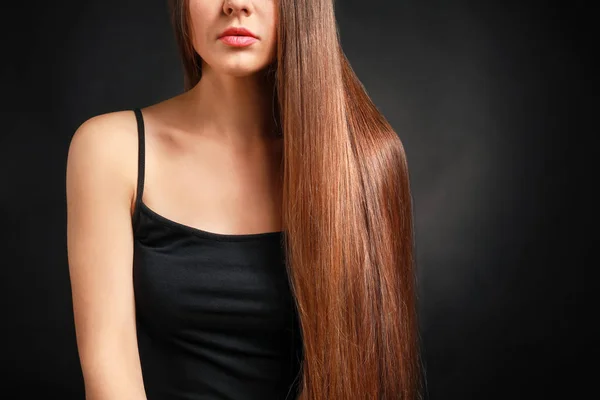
347, 213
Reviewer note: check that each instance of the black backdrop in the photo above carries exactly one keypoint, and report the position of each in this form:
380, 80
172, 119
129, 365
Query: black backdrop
488, 100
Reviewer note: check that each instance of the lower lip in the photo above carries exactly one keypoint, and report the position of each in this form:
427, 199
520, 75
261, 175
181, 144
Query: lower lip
238, 41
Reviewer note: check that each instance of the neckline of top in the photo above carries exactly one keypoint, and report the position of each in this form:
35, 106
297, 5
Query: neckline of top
207, 234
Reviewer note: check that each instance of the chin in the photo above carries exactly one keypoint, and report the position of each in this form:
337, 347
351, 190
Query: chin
240, 66
239, 72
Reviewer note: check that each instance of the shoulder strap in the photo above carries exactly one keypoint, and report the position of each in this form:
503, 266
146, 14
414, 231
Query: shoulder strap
141, 163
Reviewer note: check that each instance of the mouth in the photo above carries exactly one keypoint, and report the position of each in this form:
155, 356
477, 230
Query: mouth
237, 31
238, 41
238, 37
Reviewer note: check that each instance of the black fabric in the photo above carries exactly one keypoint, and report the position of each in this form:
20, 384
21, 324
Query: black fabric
215, 314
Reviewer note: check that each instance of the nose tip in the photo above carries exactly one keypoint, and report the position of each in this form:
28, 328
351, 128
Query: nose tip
236, 6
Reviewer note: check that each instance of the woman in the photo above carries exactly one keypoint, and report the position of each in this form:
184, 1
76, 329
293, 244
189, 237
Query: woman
250, 238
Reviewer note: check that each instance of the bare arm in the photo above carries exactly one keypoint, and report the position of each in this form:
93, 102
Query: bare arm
100, 251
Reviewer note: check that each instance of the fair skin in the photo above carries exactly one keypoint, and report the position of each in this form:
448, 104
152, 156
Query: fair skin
210, 164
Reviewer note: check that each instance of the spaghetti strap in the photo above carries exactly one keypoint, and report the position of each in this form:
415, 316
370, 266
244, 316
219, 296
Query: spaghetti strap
141, 165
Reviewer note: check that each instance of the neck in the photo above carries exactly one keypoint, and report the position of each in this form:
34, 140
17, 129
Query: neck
236, 109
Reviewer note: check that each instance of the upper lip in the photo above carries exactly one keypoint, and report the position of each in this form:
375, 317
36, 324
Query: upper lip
237, 31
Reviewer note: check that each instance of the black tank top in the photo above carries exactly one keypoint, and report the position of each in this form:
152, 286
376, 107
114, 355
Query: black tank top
214, 312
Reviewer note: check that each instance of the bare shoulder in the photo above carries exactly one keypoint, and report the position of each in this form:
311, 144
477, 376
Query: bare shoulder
104, 147
104, 135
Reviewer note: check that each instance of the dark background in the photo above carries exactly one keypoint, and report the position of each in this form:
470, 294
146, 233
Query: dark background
493, 102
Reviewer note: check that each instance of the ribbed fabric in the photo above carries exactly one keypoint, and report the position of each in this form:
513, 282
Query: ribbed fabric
215, 314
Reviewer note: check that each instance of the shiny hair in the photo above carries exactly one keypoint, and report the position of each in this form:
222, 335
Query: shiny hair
347, 213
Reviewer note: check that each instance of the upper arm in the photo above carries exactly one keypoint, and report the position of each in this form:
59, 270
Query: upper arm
99, 188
